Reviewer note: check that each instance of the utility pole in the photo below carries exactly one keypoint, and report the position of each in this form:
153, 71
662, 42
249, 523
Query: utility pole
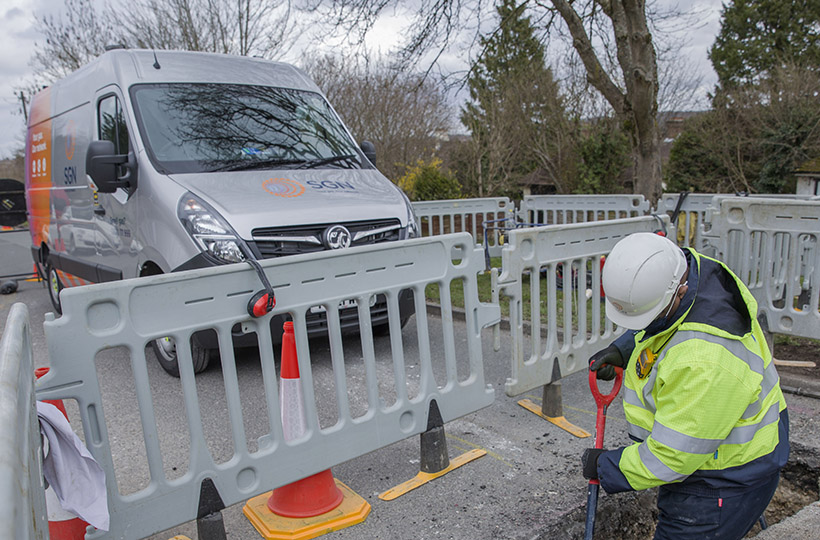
25, 109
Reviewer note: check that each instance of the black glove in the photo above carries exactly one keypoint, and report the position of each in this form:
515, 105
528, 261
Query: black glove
603, 360
589, 462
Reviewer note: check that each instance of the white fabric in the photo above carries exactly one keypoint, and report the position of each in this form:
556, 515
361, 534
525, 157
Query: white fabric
76, 478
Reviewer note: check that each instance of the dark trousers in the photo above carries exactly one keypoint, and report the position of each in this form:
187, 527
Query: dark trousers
692, 517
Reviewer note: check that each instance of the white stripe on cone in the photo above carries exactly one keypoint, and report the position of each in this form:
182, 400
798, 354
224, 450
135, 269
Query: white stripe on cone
293, 415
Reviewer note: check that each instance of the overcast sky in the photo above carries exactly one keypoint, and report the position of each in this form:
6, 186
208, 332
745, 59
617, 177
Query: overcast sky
18, 39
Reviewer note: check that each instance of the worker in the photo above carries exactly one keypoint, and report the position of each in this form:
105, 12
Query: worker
702, 397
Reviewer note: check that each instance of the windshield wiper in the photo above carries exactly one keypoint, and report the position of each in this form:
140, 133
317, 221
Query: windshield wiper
313, 163
247, 165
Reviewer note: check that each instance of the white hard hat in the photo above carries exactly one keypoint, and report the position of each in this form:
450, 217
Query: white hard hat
640, 276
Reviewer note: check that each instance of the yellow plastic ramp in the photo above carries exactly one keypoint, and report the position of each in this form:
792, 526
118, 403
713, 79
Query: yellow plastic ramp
422, 477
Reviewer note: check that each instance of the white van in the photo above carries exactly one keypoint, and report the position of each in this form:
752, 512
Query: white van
146, 162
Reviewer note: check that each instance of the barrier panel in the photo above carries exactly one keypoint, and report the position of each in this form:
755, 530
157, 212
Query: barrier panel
771, 244
565, 209
23, 507
375, 400
567, 260
467, 215
692, 214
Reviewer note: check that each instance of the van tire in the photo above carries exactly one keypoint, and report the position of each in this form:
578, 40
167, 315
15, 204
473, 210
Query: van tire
54, 286
381, 330
166, 353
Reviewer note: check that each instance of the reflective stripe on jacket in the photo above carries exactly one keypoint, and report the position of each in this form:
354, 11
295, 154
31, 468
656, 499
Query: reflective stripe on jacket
705, 409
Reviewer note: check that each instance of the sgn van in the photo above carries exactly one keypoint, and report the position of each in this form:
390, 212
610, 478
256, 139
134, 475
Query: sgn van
146, 162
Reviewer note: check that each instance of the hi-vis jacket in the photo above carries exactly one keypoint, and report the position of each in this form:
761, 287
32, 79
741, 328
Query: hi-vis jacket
702, 396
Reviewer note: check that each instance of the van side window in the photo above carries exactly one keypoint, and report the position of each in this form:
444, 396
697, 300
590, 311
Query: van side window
111, 124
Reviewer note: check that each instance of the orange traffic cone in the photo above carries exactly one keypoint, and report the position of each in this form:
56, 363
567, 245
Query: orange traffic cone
62, 525
311, 506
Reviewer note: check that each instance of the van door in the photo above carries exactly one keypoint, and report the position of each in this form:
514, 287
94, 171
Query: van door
114, 212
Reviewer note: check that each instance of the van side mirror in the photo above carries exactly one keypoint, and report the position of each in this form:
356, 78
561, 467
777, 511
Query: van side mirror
369, 150
102, 164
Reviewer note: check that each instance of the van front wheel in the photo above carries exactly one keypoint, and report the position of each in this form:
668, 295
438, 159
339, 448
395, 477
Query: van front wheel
165, 350
54, 287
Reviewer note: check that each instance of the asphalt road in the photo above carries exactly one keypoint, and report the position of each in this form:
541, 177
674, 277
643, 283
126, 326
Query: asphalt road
529, 482
15, 247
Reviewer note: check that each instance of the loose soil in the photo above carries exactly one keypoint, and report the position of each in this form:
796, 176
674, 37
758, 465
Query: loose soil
799, 349
632, 516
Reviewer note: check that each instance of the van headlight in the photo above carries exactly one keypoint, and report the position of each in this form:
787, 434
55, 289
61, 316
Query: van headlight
412, 225
209, 230
412, 229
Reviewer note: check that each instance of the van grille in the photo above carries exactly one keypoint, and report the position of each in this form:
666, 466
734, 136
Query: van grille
282, 241
348, 317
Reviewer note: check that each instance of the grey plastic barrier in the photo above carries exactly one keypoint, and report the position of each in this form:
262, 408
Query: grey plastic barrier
565, 209
567, 260
771, 244
131, 313
23, 507
692, 214
468, 215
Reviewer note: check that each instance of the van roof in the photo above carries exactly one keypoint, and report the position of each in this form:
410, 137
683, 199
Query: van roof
132, 66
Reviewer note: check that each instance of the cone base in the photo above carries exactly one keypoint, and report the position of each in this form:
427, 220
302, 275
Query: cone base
353, 509
308, 497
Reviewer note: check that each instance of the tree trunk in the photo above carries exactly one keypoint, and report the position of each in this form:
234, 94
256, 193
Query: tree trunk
637, 107
646, 156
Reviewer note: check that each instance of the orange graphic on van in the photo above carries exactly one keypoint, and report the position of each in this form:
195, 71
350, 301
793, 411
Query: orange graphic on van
38, 167
283, 187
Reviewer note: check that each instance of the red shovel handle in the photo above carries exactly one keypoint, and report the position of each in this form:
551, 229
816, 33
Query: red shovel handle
603, 401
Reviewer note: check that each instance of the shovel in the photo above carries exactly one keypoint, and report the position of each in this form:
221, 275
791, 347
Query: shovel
602, 401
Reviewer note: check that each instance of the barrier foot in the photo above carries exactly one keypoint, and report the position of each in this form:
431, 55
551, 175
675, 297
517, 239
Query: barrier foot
209, 522
435, 460
559, 421
551, 408
352, 510
422, 477
211, 527
764, 325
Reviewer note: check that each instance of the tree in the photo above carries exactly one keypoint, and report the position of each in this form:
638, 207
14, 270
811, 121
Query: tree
243, 27
759, 35
788, 126
426, 181
402, 113
603, 158
754, 140
765, 120
71, 41
621, 26
514, 107
694, 164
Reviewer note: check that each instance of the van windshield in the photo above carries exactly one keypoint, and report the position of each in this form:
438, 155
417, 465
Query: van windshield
190, 128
